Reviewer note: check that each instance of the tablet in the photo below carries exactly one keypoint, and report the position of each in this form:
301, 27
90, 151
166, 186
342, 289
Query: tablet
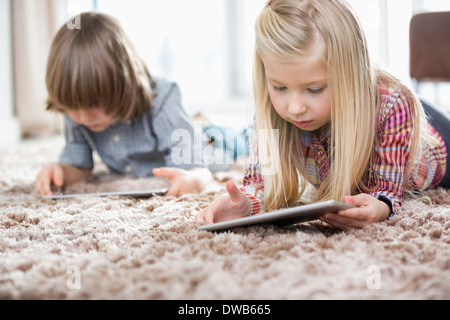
135, 194
282, 217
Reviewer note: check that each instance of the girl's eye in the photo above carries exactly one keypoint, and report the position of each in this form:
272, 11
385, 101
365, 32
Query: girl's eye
279, 88
316, 91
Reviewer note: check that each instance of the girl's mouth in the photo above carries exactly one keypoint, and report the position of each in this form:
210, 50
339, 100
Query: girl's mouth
303, 124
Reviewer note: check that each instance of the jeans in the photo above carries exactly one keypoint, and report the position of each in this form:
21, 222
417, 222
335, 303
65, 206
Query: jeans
229, 139
440, 120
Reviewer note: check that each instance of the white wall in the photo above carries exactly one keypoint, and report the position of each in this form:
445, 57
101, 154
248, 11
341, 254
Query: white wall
9, 128
207, 47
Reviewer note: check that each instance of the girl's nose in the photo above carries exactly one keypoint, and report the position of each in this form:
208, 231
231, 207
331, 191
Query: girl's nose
297, 104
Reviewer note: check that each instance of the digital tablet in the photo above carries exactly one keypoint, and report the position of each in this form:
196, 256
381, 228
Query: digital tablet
282, 217
135, 194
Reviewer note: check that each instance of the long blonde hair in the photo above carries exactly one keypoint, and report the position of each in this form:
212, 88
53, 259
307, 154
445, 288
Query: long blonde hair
285, 30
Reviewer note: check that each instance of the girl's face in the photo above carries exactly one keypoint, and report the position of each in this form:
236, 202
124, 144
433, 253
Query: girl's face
299, 91
93, 118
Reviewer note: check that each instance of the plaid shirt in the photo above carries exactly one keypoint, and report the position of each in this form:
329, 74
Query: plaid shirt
135, 147
389, 165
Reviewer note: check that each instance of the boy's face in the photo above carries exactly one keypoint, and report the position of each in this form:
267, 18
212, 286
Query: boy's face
93, 118
299, 91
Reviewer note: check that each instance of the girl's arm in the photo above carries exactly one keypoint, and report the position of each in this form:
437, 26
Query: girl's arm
388, 167
233, 206
368, 210
254, 188
243, 202
239, 203
253, 179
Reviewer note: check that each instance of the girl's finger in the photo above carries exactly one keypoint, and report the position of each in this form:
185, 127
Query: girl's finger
235, 194
200, 217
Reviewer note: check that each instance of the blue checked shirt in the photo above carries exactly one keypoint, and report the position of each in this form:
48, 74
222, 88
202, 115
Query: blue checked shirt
163, 137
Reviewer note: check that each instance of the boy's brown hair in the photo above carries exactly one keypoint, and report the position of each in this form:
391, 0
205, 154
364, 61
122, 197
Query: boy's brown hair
97, 66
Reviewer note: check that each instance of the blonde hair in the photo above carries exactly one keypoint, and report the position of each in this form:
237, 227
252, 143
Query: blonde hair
285, 30
97, 65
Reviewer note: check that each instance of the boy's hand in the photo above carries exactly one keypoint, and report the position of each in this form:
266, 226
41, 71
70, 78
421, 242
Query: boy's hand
234, 206
368, 210
184, 181
49, 175
58, 175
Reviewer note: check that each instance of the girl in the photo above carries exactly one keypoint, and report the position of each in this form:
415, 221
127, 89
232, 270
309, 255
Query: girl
332, 120
113, 106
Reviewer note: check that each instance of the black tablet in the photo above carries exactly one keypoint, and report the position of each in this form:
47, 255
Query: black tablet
282, 217
135, 194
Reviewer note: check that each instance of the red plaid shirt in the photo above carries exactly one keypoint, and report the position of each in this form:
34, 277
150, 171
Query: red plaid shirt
389, 165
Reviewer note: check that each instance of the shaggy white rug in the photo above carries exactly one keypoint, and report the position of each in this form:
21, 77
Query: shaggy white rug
126, 248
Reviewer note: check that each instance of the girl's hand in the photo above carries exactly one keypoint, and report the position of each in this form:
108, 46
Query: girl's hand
50, 174
368, 210
184, 181
234, 206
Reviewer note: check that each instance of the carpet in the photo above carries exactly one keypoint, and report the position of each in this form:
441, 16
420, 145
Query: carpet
126, 248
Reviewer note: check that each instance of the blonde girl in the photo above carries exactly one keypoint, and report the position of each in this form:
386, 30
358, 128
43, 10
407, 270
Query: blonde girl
113, 106
332, 120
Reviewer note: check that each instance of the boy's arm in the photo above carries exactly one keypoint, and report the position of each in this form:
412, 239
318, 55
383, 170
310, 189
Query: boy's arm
73, 174
185, 181
174, 129
58, 175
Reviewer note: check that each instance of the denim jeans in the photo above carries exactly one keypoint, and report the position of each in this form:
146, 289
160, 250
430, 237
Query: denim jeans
440, 120
229, 139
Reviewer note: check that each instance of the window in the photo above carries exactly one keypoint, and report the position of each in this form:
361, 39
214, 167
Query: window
203, 45
207, 46
185, 41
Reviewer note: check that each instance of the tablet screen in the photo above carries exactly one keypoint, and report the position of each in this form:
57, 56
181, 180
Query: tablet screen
135, 194
282, 217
